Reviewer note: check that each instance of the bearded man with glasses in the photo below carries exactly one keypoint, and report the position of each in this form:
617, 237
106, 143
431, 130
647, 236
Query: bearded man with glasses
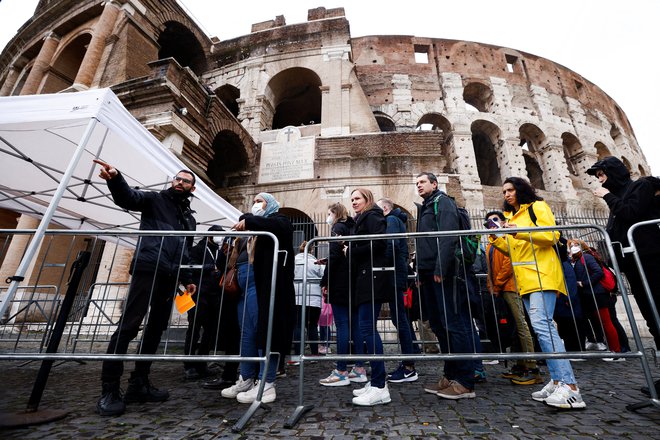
156, 274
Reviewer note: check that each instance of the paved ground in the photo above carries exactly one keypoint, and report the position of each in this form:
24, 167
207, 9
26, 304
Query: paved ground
500, 411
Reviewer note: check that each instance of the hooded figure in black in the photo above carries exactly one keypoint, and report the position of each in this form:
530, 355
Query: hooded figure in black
632, 202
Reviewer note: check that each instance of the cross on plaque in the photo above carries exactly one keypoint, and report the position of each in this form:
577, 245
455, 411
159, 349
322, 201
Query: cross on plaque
288, 134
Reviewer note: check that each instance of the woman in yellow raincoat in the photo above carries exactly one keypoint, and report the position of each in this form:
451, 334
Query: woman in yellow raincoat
539, 278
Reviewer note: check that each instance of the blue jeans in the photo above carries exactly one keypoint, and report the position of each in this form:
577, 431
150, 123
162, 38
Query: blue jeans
368, 315
403, 325
348, 327
447, 309
248, 317
540, 307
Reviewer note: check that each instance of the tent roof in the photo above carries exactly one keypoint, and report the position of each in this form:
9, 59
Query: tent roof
38, 137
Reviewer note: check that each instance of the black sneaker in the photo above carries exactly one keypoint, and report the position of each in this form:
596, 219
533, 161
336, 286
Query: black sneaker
141, 390
111, 402
217, 384
191, 374
403, 374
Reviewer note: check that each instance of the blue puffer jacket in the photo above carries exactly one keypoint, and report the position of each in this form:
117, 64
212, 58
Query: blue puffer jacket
161, 211
589, 273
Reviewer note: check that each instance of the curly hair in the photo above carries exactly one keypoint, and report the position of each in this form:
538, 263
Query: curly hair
525, 192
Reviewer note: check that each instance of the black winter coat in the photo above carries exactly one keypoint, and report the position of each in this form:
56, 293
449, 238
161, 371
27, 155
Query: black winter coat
285, 295
161, 211
429, 259
397, 249
210, 256
371, 285
630, 202
336, 275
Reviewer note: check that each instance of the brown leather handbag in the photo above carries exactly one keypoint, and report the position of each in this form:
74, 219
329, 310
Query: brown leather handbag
229, 280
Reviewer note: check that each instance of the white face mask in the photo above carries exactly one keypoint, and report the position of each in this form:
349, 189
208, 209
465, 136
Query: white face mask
258, 209
575, 250
218, 240
330, 220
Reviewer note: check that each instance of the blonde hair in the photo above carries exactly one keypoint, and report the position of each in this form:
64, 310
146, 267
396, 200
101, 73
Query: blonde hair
301, 248
368, 197
340, 212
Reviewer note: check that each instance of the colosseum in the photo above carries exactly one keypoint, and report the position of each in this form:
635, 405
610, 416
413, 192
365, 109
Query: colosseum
306, 111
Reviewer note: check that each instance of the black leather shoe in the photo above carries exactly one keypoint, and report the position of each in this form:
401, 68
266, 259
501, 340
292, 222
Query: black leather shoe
111, 402
141, 390
217, 384
191, 374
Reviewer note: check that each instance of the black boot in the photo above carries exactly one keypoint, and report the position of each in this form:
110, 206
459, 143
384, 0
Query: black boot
647, 392
111, 402
141, 390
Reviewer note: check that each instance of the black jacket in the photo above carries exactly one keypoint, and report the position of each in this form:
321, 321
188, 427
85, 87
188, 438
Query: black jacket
630, 202
367, 257
166, 211
285, 294
437, 255
397, 249
336, 275
210, 256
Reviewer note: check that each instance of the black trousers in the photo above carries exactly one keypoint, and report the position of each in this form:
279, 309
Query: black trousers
146, 289
651, 265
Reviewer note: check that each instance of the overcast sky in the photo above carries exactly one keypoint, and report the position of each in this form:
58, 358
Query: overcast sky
612, 43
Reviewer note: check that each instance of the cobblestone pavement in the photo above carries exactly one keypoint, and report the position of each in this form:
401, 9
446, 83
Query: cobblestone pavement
500, 411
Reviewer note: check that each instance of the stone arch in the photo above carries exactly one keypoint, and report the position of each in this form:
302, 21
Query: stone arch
486, 140
228, 95
385, 122
642, 171
179, 42
304, 228
478, 95
64, 69
617, 137
572, 151
230, 158
531, 141
295, 96
626, 162
434, 121
601, 150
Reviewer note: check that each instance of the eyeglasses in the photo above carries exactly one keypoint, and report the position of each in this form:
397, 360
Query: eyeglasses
182, 180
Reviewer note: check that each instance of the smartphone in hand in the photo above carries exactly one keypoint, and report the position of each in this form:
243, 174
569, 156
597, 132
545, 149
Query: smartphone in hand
491, 224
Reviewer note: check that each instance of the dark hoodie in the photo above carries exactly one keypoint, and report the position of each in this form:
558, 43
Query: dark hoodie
397, 249
630, 202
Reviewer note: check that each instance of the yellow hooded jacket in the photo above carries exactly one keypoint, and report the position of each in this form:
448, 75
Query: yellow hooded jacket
535, 262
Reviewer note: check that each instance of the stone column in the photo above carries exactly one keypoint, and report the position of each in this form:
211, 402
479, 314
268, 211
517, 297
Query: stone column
102, 30
510, 158
555, 170
332, 92
41, 64
10, 81
464, 163
14, 255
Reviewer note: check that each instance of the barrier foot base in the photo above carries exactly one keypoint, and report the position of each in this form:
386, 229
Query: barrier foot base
644, 404
238, 427
27, 418
297, 415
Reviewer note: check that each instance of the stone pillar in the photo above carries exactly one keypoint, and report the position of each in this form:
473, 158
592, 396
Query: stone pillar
102, 30
582, 162
510, 158
555, 170
14, 255
464, 163
10, 81
41, 64
332, 93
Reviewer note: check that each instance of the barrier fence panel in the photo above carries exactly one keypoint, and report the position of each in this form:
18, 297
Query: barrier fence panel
103, 321
472, 322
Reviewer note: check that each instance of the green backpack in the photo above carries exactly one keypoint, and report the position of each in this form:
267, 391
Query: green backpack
468, 245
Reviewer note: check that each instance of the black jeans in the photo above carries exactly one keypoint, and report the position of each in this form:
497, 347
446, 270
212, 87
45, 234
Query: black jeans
650, 263
146, 289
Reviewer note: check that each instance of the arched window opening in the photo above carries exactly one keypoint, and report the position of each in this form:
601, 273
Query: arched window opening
602, 151
478, 96
385, 123
434, 122
626, 162
485, 140
62, 73
531, 141
296, 97
178, 42
229, 95
229, 159
572, 151
534, 171
642, 171
304, 228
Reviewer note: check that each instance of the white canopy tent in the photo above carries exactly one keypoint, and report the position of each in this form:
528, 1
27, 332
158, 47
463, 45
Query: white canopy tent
47, 144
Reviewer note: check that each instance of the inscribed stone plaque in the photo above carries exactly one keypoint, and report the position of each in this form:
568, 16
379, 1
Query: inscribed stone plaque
290, 157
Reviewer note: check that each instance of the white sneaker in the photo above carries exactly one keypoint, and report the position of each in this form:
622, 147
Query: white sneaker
546, 392
565, 397
361, 391
601, 346
250, 396
373, 396
590, 346
239, 387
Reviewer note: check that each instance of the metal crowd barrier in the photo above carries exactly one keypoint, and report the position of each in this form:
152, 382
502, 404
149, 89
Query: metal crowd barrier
594, 235
78, 325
